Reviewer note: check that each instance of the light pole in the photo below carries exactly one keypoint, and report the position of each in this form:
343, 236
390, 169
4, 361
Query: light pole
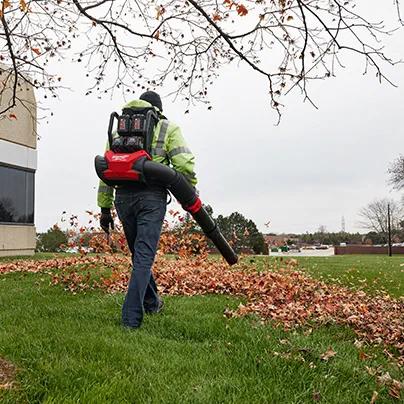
389, 229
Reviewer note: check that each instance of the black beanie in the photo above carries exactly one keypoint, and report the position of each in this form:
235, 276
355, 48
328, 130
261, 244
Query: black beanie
153, 98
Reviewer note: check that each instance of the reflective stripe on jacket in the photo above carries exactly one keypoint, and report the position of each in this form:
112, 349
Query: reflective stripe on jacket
168, 147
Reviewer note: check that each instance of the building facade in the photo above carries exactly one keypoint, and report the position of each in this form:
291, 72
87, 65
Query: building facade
18, 163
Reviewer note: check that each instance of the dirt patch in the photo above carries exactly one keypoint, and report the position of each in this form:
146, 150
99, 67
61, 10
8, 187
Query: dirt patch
7, 374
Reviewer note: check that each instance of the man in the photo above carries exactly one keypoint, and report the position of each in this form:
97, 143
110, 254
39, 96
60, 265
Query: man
141, 209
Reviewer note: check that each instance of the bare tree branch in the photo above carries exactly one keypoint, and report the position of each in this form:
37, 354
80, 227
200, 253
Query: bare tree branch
131, 45
374, 216
396, 172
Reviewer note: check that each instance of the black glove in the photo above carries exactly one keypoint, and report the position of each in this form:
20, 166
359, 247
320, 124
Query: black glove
106, 220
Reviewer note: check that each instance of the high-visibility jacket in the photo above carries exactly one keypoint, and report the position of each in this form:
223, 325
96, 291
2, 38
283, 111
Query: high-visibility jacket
168, 147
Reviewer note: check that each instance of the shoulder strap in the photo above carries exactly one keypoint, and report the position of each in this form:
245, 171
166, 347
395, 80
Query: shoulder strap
159, 149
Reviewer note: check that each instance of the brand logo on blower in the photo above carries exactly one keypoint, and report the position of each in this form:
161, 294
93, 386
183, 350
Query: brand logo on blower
119, 158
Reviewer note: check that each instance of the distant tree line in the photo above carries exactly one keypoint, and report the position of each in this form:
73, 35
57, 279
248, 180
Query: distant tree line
321, 237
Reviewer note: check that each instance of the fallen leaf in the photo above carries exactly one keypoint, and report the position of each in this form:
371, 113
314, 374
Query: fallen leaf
384, 379
395, 389
363, 356
374, 397
6, 386
370, 370
330, 353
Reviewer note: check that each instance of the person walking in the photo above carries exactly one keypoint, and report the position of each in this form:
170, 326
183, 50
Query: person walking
141, 209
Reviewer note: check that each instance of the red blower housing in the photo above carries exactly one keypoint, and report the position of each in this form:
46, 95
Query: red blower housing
120, 165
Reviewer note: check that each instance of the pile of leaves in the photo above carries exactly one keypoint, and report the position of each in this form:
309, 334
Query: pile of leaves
287, 296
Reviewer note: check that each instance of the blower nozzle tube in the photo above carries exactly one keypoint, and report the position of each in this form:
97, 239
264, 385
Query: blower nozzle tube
186, 195
212, 231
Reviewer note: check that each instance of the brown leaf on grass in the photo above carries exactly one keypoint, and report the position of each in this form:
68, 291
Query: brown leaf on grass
374, 397
7, 374
371, 371
395, 386
363, 356
228, 313
316, 396
384, 379
292, 262
395, 389
328, 354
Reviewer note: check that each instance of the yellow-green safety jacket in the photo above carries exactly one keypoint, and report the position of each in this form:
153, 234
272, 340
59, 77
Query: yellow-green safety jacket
168, 147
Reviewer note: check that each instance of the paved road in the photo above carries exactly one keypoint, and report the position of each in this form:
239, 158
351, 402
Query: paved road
305, 253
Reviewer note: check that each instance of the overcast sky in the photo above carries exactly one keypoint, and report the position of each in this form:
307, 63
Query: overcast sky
312, 169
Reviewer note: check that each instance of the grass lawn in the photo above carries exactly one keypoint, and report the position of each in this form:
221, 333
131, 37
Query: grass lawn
70, 348
372, 273
38, 256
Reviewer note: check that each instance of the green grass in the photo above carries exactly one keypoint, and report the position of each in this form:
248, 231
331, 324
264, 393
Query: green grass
372, 273
37, 256
71, 348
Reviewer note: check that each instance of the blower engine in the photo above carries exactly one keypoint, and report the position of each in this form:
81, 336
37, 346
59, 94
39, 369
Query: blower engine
129, 160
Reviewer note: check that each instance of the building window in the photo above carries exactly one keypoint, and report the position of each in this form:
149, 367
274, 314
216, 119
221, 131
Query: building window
16, 195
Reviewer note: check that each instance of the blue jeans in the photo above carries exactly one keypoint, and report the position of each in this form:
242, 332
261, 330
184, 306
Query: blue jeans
142, 215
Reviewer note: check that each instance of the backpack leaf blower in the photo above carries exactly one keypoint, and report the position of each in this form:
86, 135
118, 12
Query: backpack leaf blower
129, 160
